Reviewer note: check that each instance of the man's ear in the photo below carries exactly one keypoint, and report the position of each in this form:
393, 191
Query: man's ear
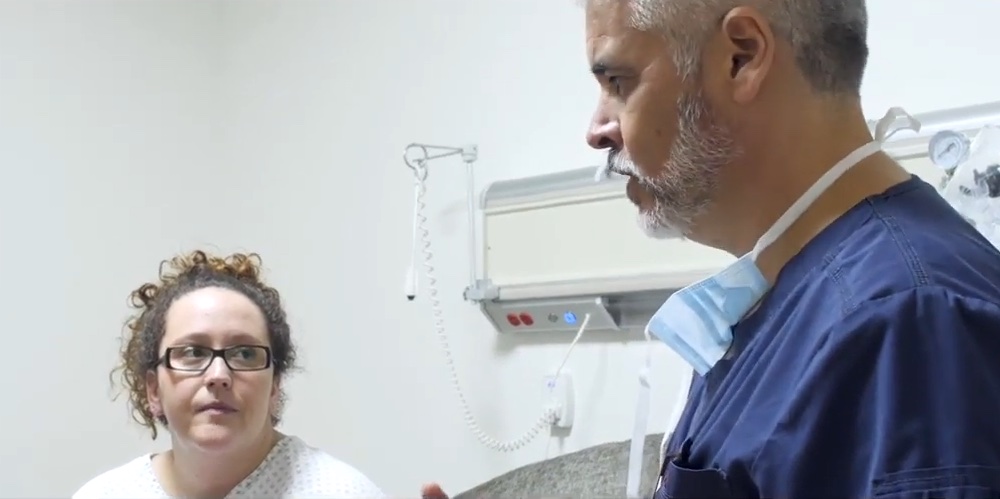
750, 48
153, 394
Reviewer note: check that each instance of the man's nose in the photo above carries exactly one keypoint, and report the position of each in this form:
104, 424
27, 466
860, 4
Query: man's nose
604, 133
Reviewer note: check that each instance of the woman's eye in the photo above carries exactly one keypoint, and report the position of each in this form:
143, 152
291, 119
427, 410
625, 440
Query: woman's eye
246, 353
194, 352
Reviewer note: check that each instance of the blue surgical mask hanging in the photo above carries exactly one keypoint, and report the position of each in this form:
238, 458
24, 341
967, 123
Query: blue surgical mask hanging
696, 322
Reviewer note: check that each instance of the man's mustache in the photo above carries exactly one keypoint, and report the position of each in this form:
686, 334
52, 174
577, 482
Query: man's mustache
619, 163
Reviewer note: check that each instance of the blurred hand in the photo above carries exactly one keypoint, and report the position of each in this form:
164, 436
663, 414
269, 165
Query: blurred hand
432, 491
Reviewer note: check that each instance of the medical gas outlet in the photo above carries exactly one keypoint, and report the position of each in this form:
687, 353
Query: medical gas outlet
554, 315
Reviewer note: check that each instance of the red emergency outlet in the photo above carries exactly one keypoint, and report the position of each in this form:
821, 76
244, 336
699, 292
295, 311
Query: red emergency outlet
527, 319
513, 320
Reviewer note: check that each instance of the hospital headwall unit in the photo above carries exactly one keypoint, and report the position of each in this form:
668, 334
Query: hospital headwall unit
556, 247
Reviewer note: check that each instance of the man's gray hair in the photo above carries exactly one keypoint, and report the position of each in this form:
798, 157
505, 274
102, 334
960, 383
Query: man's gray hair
829, 37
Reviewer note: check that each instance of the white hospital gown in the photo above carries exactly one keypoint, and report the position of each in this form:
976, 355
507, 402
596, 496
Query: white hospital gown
291, 469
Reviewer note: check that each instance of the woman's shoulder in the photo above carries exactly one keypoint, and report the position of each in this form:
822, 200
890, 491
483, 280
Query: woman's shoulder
134, 479
315, 473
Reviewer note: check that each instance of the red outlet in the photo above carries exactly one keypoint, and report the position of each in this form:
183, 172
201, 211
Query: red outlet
527, 319
513, 319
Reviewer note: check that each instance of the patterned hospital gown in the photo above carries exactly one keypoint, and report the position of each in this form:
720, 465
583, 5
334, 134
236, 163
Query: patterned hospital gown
291, 469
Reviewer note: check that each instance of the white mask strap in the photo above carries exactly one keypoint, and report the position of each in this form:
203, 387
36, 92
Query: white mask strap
641, 425
895, 119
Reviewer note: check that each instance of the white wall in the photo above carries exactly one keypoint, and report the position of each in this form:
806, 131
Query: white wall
107, 165
297, 113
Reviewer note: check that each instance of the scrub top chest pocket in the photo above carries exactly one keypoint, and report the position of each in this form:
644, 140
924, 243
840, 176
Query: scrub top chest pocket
679, 480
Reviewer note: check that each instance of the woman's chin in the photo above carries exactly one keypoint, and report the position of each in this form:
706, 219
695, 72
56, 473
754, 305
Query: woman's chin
213, 437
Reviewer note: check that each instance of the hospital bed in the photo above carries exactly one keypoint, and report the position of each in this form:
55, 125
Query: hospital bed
597, 471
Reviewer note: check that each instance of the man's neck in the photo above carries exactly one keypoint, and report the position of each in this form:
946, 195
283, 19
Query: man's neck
870, 177
197, 474
754, 196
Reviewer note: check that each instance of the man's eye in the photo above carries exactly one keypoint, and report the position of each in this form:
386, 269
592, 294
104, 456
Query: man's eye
615, 84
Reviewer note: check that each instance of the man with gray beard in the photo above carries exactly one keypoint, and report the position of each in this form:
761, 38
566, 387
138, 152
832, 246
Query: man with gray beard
851, 351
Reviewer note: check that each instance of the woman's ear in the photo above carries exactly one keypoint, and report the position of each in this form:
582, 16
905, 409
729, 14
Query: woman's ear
153, 394
275, 399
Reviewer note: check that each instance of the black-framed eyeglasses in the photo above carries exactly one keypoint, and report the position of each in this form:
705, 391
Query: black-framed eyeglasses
194, 358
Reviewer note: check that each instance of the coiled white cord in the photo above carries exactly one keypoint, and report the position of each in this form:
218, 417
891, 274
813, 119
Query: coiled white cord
549, 416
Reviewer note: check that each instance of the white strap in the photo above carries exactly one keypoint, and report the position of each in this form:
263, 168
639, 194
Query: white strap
680, 403
638, 443
895, 119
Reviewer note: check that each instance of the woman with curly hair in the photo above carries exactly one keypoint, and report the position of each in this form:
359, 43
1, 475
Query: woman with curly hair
204, 357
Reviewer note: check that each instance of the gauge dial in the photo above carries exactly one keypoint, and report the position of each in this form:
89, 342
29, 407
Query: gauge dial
948, 149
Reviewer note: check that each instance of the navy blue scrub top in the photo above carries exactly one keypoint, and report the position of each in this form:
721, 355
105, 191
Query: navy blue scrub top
871, 369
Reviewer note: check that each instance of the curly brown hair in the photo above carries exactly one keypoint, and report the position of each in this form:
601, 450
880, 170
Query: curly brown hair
179, 276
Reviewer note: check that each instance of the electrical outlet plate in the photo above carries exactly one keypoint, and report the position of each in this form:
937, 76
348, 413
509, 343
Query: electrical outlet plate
559, 394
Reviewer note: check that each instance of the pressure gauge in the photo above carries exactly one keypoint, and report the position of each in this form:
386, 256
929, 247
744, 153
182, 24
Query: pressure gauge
948, 149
